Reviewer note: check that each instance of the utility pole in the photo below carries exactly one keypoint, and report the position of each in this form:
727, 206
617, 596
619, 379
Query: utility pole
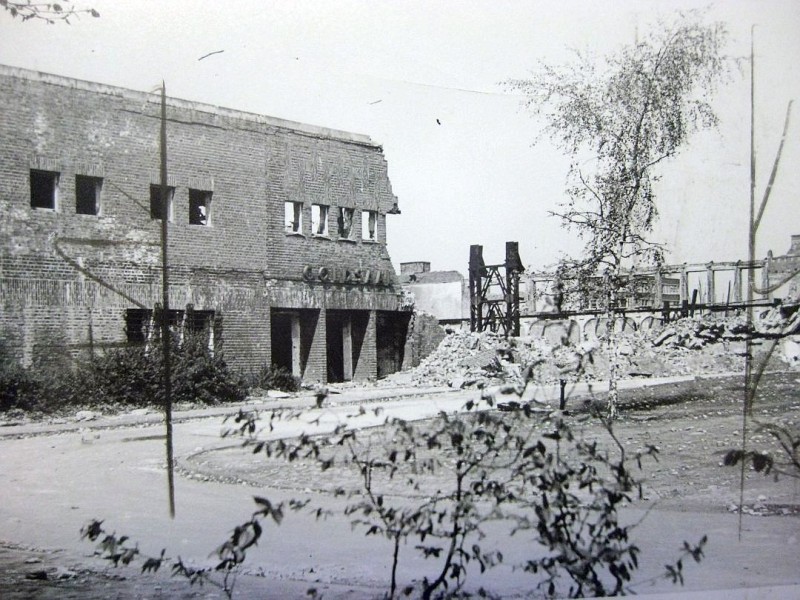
166, 340
751, 278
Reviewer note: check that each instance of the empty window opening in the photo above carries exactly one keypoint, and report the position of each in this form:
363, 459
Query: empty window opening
293, 212
138, 322
44, 189
156, 203
142, 326
319, 219
369, 227
199, 207
345, 222
87, 195
199, 326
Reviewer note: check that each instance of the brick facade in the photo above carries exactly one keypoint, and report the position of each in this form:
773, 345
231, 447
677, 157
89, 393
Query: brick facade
68, 279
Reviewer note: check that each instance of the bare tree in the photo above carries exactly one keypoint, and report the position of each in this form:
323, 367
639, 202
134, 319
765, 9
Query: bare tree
618, 120
45, 11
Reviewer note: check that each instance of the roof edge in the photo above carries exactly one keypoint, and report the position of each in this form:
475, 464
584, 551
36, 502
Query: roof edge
91, 86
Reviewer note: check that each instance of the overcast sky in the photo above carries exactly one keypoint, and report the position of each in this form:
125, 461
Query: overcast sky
422, 79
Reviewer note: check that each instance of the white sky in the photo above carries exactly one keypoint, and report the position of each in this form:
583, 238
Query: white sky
390, 69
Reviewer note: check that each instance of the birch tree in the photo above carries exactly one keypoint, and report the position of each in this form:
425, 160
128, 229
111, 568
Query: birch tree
619, 119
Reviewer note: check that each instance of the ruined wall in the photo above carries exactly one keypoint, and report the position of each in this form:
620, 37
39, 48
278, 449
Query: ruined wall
424, 336
66, 279
783, 272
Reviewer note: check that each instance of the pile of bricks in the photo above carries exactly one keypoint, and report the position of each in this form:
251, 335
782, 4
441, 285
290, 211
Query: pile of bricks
688, 346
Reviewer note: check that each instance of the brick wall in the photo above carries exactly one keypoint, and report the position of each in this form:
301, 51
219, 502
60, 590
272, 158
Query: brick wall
64, 275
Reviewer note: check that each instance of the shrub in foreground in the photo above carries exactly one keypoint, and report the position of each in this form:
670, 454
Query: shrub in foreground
125, 377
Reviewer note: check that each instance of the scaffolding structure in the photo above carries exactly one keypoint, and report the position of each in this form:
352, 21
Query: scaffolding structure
494, 291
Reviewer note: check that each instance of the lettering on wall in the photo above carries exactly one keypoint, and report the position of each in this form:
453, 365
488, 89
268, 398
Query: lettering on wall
355, 276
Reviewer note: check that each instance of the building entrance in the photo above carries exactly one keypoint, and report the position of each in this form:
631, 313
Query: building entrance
345, 333
292, 332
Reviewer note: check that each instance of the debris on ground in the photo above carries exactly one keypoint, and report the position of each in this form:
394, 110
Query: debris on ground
710, 344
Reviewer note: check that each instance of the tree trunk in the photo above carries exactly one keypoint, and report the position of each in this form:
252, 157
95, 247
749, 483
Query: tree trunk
612, 340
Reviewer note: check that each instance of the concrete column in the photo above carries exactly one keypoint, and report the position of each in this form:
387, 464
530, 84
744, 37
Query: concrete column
347, 347
765, 275
297, 366
659, 288
684, 290
711, 294
315, 340
367, 367
737, 282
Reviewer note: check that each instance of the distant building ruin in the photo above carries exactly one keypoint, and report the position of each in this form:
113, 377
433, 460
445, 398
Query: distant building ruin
717, 284
443, 294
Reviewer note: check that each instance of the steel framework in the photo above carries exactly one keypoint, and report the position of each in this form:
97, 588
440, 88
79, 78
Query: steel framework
494, 291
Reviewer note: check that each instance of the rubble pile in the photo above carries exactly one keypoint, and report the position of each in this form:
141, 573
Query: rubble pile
712, 344
465, 359
694, 334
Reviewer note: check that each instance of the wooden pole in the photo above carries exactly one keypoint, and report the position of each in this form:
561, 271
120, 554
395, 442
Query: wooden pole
165, 333
748, 358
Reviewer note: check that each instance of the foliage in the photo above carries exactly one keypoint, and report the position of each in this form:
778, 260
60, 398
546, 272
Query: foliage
230, 554
50, 12
788, 440
19, 388
125, 377
521, 465
574, 493
203, 376
625, 116
274, 378
629, 113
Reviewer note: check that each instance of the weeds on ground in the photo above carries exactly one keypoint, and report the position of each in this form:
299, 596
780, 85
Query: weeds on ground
523, 466
126, 377
230, 555
273, 378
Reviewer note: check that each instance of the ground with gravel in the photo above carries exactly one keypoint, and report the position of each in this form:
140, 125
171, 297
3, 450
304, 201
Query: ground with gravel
693, 423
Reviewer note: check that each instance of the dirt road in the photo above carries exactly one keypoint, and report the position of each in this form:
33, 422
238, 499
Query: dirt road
52, 484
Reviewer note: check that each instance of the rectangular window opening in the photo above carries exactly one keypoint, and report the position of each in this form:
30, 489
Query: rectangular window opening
137, 325
200, 327
199, 207
87, 194
369, 229
293, 217
345, 222
156, 204
319, 219
44, 189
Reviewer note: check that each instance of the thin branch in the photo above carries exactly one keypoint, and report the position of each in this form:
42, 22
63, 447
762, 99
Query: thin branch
774, 168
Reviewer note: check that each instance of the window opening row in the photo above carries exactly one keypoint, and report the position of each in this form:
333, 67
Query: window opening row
88, 190
142, 326
44, 187
319, 221
44, 192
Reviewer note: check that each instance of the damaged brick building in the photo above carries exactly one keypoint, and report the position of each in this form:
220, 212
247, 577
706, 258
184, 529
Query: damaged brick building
277, 232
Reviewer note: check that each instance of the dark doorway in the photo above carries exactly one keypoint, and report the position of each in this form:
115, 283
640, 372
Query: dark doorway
391, 329
335, 342
345, 334
281, 341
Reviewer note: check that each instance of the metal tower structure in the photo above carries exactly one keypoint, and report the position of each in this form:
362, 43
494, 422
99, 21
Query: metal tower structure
494, 291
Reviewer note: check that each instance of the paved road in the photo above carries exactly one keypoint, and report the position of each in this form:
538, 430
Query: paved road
51, 484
